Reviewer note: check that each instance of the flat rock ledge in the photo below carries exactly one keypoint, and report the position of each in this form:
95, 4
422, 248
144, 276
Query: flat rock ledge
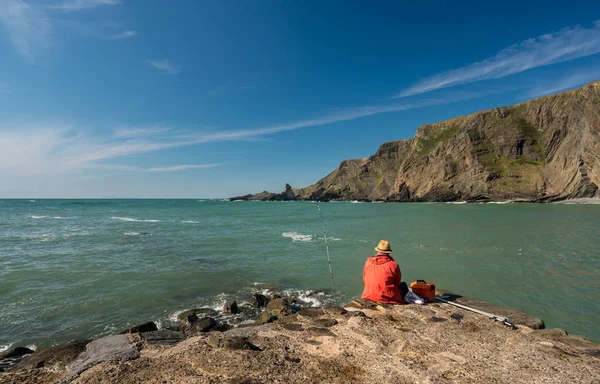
363, 342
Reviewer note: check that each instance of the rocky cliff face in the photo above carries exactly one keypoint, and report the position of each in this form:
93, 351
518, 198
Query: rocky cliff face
545, 149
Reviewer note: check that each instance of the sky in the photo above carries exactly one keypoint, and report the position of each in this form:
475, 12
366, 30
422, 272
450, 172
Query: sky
212, 99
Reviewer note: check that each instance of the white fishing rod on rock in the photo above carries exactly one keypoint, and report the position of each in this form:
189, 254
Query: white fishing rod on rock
501, 319
327, 250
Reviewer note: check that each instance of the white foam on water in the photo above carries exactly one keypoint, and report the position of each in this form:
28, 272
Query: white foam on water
201, 201
32, 201
136, 220
456, 202
314, 299
330, 238
58, 217
355, 202
4, 347
190, 222
39, 217
500, 202
588, 200
42, 237
295, 236
33, 347
131, 234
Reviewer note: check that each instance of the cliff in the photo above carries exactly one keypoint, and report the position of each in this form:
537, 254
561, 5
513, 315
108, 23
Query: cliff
542, 150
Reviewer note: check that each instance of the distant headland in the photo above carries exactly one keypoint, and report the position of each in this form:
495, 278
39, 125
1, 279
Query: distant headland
542, 150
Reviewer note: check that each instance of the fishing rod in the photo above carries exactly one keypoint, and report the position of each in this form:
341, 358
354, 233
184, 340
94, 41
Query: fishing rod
501, 319
327, 250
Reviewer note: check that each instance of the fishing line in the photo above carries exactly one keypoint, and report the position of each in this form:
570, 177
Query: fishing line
327, 250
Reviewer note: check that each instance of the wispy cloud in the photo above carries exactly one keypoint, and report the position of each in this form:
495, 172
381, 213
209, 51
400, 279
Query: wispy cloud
569, 81
55, 149
176, 168
123, 35
79, 5
164, 66
30, 25
568, 44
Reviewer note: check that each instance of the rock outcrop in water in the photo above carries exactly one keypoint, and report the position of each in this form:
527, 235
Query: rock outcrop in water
542, 150
361, 343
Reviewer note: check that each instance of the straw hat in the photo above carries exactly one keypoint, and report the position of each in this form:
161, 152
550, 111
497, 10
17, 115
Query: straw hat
383, 247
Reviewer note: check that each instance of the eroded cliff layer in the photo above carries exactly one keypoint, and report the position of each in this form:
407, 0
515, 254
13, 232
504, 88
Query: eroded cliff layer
545, 149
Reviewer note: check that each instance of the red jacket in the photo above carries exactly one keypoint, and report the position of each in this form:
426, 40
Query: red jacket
382, 278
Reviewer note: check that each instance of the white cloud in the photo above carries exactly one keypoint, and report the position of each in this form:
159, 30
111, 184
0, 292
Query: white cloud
568, 44
59, 149
164, 66
28, 27
123, 35
183, 167
569, 81
79, 5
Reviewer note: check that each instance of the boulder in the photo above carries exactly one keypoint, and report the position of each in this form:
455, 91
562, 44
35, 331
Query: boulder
259, 300
264, 318
15, 352
231, 307
199, 312
56, 358
12, 356
146, 327
279, 307
110, 348
162, 337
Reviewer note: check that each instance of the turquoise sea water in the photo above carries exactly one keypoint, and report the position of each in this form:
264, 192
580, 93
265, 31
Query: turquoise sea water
73, 269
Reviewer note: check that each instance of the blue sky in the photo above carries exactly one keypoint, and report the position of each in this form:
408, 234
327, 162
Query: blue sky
118, 98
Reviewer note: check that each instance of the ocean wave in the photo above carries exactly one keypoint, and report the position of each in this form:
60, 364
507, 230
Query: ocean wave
32, 201
132, 234
355, 202
456, 202
4, 347
295, 236
33, 347
190, 222
41, 237
136, 220
39, 217
500, 202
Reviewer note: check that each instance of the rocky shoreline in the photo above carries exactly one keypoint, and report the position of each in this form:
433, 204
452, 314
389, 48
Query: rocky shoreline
276, 340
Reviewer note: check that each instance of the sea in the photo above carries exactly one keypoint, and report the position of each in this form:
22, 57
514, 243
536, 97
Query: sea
79, 269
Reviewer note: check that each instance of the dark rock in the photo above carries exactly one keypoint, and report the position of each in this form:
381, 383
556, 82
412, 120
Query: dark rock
264, 318
194, 325
311, 312
162, 337
56, 358
292, 359
287, 319
327, 323
313, 342
231, 342
231, 307
15, 352
292, 326
279, 307
316, 331
146, 327
436, 319
221, 326
457, 316
335, 311
259, 300
199, 312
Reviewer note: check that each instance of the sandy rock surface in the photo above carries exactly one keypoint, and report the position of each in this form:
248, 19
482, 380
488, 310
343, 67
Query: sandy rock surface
435, 343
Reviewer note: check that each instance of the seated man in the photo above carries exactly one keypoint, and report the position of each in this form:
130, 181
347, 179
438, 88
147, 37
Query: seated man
382, 277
